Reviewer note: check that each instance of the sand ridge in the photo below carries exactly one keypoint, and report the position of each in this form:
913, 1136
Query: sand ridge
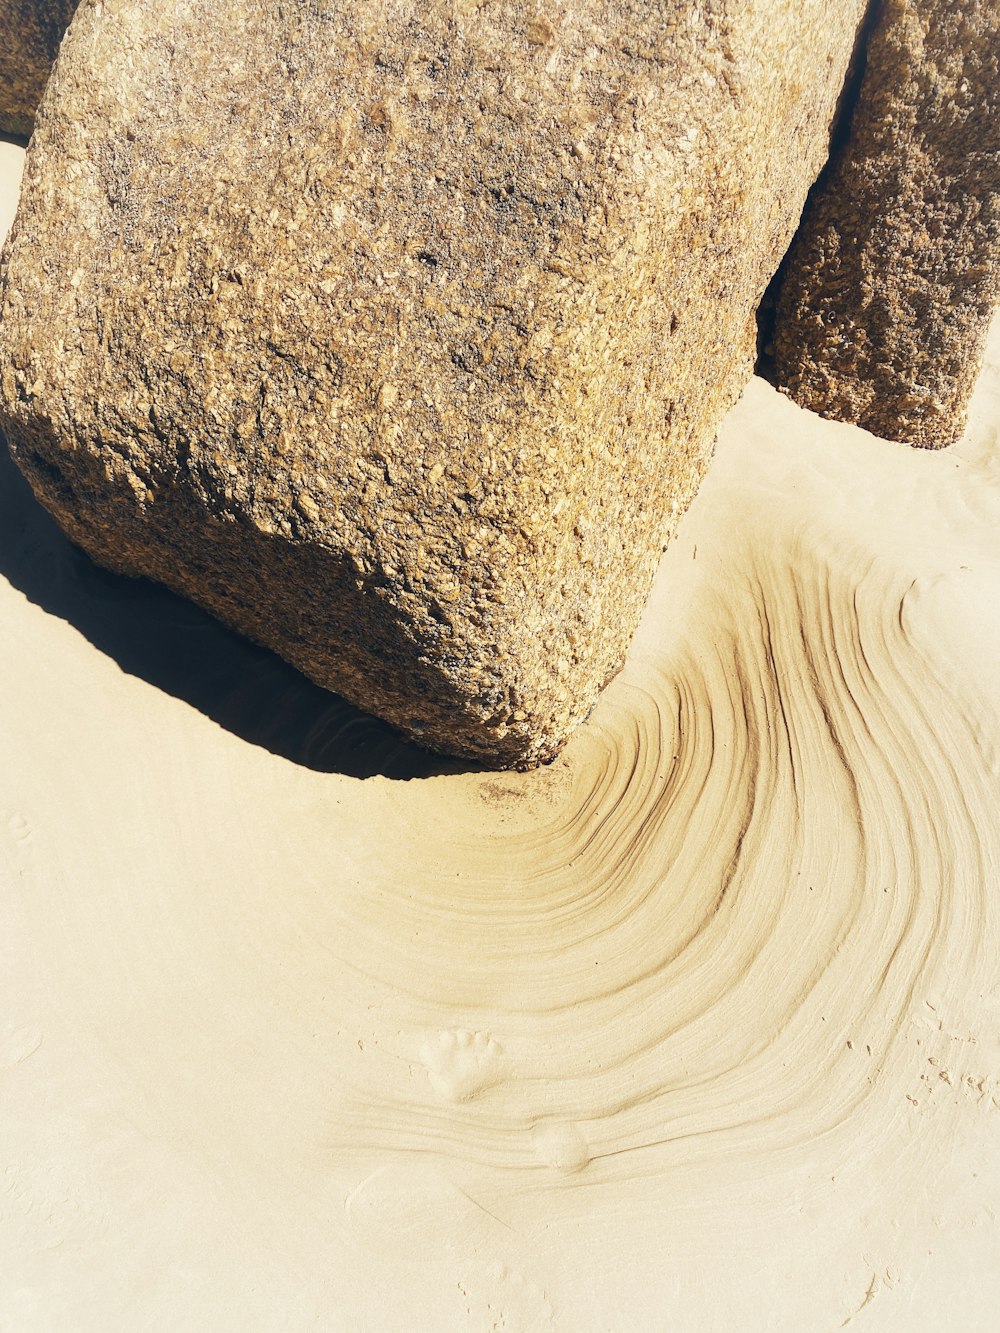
695, 1028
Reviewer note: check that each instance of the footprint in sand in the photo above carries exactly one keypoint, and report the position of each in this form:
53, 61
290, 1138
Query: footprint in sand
17, 1044
461, 1063
20, 831
508, 1301
561, 1145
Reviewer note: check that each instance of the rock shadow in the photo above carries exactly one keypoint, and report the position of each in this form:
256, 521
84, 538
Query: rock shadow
175, 646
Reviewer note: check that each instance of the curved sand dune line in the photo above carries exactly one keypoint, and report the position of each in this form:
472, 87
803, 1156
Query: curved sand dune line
696, 1028
755, 866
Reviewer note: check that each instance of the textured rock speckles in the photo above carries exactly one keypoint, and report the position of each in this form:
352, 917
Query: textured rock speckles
894, 276
30, 32
398, 334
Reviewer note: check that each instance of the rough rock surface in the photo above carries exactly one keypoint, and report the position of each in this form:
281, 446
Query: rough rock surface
397, 334
30, 33
893, 278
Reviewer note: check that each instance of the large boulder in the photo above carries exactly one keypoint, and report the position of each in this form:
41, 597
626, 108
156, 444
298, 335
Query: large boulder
397, 334
30, 33
893, 279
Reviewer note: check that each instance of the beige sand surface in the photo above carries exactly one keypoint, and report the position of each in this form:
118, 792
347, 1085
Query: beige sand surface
697, 1029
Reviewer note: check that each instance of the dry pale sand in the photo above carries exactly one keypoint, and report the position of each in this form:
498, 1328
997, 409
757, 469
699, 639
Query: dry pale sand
697, 1029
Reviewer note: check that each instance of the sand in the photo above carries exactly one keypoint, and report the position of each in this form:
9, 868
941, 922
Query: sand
698, 1028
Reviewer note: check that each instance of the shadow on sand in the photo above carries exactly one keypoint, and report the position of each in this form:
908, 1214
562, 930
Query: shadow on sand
174, 645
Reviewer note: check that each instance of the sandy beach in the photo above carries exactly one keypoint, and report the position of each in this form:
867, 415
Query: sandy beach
697, 1028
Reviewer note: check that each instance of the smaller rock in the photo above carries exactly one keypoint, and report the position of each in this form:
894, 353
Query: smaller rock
894, 275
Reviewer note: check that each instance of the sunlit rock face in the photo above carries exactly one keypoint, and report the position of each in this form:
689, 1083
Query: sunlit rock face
398, 335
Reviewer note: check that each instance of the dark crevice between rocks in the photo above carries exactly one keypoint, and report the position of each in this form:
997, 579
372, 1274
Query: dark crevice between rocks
19, 140
840, 133
154, 634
